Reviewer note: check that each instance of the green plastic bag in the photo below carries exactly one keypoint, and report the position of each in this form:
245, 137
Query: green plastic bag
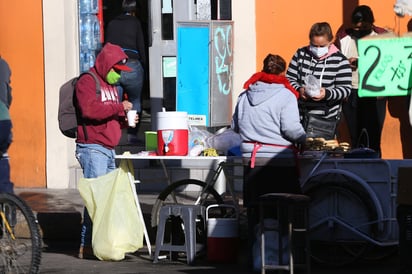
109, 199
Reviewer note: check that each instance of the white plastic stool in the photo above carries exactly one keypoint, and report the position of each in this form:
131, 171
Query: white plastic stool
189, 215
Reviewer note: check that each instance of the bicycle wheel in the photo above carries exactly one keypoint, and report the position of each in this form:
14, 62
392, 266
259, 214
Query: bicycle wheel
20, 239
340, 211
185, 191
376, 253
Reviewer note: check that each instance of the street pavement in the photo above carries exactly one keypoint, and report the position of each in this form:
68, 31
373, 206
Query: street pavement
59, 214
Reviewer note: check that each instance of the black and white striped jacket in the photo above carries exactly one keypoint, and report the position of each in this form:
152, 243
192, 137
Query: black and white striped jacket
334, 74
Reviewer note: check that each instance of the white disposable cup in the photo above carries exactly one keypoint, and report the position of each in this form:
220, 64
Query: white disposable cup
131, 115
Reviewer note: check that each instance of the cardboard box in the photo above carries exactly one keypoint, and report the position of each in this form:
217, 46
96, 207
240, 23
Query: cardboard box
404, 196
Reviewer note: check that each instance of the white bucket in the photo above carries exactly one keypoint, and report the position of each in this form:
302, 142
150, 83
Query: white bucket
222, 236
172, 133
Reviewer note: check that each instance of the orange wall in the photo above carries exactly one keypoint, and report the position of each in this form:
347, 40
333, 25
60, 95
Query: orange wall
283, 26
21, 45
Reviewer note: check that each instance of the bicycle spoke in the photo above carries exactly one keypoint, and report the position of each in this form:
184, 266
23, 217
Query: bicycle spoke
20, 241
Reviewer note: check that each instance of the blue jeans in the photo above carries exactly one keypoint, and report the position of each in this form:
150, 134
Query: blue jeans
131, 83
95, 161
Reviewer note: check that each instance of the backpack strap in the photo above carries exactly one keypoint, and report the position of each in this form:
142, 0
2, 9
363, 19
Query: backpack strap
97, 95
95, 79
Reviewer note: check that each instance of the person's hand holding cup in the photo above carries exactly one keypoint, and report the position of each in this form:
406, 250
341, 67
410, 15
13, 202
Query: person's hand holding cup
127, 105
132, 118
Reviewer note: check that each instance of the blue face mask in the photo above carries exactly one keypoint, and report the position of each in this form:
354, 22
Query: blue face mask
319, 51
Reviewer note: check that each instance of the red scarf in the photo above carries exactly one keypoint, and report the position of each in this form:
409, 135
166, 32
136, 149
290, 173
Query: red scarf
270, 78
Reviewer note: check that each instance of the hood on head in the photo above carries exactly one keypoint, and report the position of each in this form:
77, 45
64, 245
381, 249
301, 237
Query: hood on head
108, 57
260, 92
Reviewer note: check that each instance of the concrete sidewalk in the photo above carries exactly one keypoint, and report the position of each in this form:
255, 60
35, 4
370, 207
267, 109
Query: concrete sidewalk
59, 214
59, 211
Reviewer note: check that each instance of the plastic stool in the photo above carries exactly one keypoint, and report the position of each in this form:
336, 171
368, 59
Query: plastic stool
292, 213
189, 214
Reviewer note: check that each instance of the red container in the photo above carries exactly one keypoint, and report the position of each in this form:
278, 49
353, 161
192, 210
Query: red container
172, 133
222, 250
222, 237
172, 142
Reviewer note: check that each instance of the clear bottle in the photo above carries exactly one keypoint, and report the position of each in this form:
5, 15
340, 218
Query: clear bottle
96, 33
90, 59
94, 6
87, 59
85, 32
89, 33
88, 6
87, 29
83, 63
84, 6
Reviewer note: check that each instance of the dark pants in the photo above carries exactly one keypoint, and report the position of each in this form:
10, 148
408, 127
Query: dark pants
5, 184
261, 180
5, 140
368, 113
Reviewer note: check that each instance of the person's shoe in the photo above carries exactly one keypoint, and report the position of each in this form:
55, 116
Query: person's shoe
145, 114
86, 252
80, 252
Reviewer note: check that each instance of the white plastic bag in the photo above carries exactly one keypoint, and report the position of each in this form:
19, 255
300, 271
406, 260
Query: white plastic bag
271, 245
109, 199
312, 85
224, 140
197, 140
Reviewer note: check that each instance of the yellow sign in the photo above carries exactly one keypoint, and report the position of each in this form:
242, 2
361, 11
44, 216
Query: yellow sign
385, 66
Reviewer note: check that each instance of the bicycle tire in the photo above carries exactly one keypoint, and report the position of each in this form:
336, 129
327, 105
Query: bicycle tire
23, 253
333, 247
182, 197
377, 253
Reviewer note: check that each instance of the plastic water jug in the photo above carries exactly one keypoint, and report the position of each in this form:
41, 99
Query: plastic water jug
172, 133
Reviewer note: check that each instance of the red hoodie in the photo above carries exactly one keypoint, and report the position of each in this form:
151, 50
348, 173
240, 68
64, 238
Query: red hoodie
103, 115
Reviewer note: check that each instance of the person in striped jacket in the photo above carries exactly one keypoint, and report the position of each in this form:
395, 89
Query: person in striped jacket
324, 71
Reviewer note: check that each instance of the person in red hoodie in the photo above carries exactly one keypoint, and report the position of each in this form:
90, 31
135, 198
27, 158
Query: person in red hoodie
102, 117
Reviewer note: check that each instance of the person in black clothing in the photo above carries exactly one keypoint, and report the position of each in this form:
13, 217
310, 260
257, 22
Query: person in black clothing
126, 31
361, 113
5, 127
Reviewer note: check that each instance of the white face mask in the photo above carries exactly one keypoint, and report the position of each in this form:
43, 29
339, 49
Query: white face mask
319, 51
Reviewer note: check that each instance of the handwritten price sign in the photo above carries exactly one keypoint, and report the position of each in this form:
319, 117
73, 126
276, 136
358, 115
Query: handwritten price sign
385, 66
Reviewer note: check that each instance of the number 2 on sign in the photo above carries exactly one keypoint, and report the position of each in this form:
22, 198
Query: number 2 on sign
385, 67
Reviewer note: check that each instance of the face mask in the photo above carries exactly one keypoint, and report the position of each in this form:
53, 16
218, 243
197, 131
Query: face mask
361, 33
319, 51
112, 77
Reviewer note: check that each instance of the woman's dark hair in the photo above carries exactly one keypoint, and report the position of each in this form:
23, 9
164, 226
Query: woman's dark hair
320, 29
129, 5
362, 13
274, 64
